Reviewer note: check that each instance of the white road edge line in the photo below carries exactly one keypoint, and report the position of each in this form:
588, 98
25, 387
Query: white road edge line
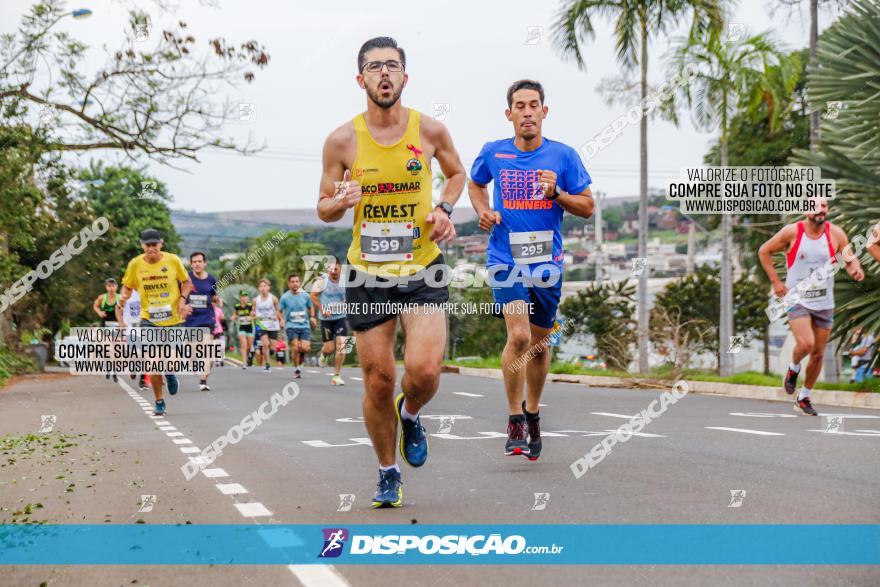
307, 575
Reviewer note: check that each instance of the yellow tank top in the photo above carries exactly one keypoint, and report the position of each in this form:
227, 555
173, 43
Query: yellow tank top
390, 235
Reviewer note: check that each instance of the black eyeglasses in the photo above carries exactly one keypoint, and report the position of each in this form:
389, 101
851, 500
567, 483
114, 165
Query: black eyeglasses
376, 66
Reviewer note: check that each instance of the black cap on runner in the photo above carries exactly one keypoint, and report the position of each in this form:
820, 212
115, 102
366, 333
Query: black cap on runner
150, 236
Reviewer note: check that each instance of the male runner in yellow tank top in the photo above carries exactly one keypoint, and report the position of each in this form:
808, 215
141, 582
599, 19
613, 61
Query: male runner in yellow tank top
379, 163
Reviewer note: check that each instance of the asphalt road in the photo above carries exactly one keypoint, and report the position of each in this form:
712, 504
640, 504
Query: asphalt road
683, 468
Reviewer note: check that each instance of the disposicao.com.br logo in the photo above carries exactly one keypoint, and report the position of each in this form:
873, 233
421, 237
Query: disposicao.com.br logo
454, 544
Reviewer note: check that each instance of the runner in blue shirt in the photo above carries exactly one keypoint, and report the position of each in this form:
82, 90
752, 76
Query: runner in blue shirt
202, 300
298, 311
536, 180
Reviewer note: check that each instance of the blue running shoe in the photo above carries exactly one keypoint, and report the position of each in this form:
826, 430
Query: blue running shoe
413, 442
389, 490
160, 408
172, 383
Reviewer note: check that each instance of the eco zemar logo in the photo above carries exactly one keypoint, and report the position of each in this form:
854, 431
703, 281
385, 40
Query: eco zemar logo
431, 544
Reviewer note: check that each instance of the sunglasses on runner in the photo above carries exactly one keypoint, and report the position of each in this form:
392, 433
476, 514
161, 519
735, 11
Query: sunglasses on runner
393, 65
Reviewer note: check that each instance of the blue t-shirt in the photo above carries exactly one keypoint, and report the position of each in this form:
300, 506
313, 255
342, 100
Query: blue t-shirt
295, 308
519, 198
201, 302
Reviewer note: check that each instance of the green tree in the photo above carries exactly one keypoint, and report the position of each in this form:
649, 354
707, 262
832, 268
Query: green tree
723, 72
132, 201
604, 311
847, 77
691, 300
634, 22
41, 211
160, 101
475, 334
274, 256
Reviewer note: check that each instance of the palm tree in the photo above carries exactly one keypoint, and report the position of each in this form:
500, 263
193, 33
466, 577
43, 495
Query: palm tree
723, 71
848, 72
634, 21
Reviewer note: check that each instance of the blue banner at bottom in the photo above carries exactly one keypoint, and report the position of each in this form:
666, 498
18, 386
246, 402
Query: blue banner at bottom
601, 544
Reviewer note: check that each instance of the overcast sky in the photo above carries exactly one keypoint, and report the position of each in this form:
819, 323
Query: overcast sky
464, 54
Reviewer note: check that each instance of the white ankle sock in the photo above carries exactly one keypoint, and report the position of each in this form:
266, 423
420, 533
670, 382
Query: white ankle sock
394, 466
796, 367
406, 415
804, 393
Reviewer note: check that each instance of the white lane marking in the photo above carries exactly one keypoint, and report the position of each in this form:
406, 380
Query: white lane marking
318, 576
612, 415
214, 473
542, 405
311, 371
167, 428
190, 449
848, 416
174, 434
607, 432
853, 433
762, 415
745, 431
252, 510
357, 442
162, 423
181, 441
231, 488
200, 460
466, 394
360, 419
485, 435
356, 379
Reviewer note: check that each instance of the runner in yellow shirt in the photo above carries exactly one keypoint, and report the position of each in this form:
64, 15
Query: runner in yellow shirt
163, 284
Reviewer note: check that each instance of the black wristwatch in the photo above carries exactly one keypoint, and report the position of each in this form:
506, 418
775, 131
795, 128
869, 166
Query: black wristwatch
555, 194
446, 207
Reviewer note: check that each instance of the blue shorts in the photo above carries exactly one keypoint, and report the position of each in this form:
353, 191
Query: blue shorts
544, 300
304, 333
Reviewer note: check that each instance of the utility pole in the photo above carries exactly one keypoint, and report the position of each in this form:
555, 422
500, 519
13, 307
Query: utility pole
599, 199
691, 247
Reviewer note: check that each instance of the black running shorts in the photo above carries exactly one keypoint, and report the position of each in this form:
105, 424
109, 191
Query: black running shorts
369, 306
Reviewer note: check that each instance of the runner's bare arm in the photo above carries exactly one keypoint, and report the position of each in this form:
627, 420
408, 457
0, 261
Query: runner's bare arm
97, 307
278, 310
339, 152
581, 204
479, 195
850, 259
317, 288
778, 242
183, 309
120, 303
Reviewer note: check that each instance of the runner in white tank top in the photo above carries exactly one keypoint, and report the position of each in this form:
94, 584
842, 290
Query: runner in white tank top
811, 246
268, 319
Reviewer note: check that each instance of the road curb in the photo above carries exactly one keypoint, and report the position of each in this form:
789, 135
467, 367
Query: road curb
844, 399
